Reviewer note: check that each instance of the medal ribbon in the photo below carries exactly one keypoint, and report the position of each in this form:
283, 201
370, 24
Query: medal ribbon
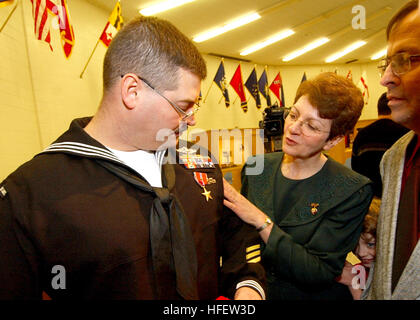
201, 178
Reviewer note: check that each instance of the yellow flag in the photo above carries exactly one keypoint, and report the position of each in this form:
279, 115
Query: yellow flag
4, 3
115, 23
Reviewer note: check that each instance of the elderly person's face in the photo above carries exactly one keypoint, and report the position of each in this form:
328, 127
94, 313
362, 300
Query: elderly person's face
305, 132
403, 90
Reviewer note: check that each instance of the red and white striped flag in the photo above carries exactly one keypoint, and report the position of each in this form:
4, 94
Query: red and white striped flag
349, 76
364, 87
42, 21
66, 29
43, 11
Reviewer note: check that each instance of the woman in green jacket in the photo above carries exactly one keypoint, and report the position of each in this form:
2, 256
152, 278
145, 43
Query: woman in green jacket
308, 208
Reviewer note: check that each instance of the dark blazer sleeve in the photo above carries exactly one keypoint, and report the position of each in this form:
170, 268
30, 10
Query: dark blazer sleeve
241, 255
18, 269
322, 258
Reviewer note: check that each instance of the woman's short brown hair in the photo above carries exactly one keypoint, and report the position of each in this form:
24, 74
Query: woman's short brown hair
153, 49
335, 98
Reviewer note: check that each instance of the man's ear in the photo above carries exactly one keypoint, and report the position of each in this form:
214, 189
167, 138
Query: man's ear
130, 90
332, 142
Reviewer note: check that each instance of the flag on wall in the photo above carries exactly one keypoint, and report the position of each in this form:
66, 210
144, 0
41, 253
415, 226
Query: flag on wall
40, 10
220, 80
364, 87
263, 87
349, 75
4, 3
303, 77
115, 23
66, 29
237, 84
277, 88
252, 85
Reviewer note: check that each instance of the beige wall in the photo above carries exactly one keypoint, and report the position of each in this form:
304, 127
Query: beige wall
41, 91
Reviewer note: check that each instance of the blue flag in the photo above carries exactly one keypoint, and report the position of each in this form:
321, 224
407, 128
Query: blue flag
252, 85
263, 87
220, 80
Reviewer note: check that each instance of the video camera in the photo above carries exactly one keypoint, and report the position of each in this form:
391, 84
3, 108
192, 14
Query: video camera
273, 121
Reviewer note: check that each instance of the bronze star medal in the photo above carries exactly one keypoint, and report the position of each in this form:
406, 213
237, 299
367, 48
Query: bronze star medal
206, 193
202, 180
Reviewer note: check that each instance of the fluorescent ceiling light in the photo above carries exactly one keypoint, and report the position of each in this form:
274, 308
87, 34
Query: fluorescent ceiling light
279, 36
379, 54
309, 47
163, 6
227, 27
347, 50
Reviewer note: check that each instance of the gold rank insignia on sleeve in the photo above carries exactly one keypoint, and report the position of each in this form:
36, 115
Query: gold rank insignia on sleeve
3, 192
253, 254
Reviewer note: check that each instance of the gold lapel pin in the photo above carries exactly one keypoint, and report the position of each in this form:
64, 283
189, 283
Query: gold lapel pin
314, 209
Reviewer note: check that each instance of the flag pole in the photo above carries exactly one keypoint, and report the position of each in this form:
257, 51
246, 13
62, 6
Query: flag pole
94, 49
8, 17
208, 91
243, 86
267, 90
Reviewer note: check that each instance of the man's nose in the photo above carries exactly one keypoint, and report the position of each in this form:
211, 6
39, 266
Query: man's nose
389, 79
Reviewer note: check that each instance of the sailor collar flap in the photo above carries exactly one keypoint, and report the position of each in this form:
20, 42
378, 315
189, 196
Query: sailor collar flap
76, 141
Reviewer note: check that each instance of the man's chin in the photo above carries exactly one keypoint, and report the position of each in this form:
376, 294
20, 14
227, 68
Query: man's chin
401, 117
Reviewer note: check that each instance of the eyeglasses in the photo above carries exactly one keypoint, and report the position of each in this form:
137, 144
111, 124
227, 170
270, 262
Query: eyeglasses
400, 63
184, 115
309, 127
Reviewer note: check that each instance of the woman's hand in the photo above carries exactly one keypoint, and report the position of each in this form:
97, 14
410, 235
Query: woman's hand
242, 207
346, 276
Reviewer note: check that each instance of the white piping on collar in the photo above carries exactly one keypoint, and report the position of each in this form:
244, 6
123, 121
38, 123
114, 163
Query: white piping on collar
82, 149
